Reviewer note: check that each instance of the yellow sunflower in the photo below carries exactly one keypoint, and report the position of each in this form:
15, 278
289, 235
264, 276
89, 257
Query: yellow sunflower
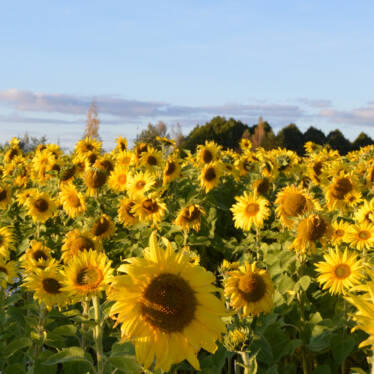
262, 186
151, 159
105, 163
37, 256
245, 143
4, 196
121, 144
310, 230
40, 206
140, 149
337, 190
11, 153
293, 202
124, 158
149, 209
365, 213
339, 271
140, 183
6, 241
339, 232
172, 169
94, 179
77, 241
190, 217
72, 201
249, 289
249, 210
207, 153
361, 236
118, 178
166, 307
87, 274
87, 145
47, 284
8, 272
126, 215
103, 227
210, 175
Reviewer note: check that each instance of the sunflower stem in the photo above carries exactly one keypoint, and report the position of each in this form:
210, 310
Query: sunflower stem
246, 362
84, 328
98, 335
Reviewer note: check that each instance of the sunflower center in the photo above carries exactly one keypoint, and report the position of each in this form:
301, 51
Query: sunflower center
317, 168
150, 206
293, 204
210, 174
1, 240
152, 160
95, 179
129, 209
342, 271
3, 270
41, 205
89, 277
82, 243
252, 287
39, 254
252, 209
92, 158
122, 178
263, 186
170, 168
341, 187
140, 185
74, 200
67, 173
191, 214
339, 233
364, 235
207, 156
312, 228
3, 194
88, 147
51, 285
13, 152
168, 303
122, 145
107, 165
101, 226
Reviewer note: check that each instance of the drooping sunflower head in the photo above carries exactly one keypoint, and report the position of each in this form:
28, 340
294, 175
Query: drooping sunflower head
246, 163
105, 163
293, 202
37, 256
190, 217
249, 289
310, 231
150, 209
171, 170
118, 178
5, 196
262, 186
87, 274
250, 209
11, 153
361, 236
77, 241
68, 173
210, 175
207, 153
337, 191
121, 144
72, 201
165, 298
8, 272
140, 149
94, 180
40, 206
339, 271
103, 227
126, 215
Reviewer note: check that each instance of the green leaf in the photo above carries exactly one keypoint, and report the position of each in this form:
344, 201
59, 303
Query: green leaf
67, 355
127, 363
323, 369
304, 282
15, 369
65, 330
16, 345
342, 347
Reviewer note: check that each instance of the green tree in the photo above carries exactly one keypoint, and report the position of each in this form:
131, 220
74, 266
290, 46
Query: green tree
149, 134
314, 135
362, 141
338, 141
292, 138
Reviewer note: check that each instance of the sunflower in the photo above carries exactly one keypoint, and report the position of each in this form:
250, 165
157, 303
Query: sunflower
339, 271
246, 163
172, 169
365, 213
124, 158
8, 271
87, 274
118, 178
121, 144
140, 149
245, 143
11, 153
40, 206
210, 175
150, 209
190, 217
76, 242
337, 191
166, 307
361, 236
126, 214
4, 196
37, 256
6, 241
151, 159
207, 153
339, 232
72, 201
47, 284
249, 210
140, 183
262, 186
105, 163
94, 179
292, 202
87, 145
310, 230
103, 228
249, 289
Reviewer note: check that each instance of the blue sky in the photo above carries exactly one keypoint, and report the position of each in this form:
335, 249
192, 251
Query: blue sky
307, 62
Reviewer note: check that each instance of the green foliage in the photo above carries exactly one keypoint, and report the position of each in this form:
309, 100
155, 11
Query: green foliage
151, 132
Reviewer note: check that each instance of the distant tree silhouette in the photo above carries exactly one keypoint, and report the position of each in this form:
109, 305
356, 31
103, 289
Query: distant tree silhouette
149, 134
92, 123
314, 135
292, 138
362, 141
338, 141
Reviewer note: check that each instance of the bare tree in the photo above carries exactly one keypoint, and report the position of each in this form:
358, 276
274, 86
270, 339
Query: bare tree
92, 123
259, 135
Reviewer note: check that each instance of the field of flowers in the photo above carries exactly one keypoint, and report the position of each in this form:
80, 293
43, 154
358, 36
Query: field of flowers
155, 260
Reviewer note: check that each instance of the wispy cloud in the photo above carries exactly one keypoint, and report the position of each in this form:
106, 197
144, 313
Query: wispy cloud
356, 116
315, 103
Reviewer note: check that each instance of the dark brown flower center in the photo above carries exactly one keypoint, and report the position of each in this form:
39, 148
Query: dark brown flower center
339, 233
168, 303
312, 228
41, 205
73, 200
191, 214
51, 285
150, 206
210, 174
95, 178
151, 160
129, 209
39, 254
12, 153
89, 277
92, 158
101, 226
317, 168
3, 194
341, 187
82, 243
293, 203
140, 185
107, 165
170, 168
263, 186
342, 271
251, 287
207, 156
3, 270
67, 173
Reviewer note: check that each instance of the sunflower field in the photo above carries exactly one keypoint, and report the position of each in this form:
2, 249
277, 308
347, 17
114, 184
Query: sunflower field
158, 260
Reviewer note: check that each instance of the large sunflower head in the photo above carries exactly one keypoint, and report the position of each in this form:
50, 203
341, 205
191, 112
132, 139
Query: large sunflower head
94, 180
249, 289
339, 271
77, 241
150, 209
210, 175
151, 159
124, 158
126, 214
207, 153
6, 241
37, 256
190, 217
103, 227
250, 209
140, 183
40, 206
164, 300
72, 201
361, 236
118, 178
47, 284
8, 272
337, 191
293, 202
87, 274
